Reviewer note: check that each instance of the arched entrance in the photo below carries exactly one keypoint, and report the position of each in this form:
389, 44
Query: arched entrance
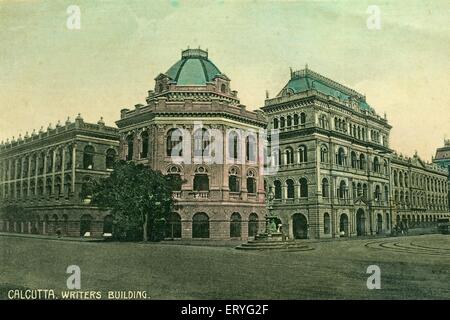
200, 225
173, 226
379, 224
360, 222
252, 225
235, 225
299, 226
85, 224
343, 225
108, 224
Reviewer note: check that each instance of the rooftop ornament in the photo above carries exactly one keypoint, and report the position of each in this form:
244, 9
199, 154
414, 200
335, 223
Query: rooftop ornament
101, 122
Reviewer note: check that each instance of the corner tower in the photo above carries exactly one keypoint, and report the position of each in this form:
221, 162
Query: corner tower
194, 126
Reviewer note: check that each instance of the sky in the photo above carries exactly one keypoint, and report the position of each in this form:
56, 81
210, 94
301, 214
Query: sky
49, 72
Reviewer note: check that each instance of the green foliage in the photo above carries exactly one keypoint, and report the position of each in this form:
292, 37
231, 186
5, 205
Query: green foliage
137, 196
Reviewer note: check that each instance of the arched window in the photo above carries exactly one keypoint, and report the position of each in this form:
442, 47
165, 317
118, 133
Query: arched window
325, 188
88, 157
58, 187
234, 181
250, 147
174, 143
144, 138
290, 189
110, 158
303, 188
174, 175
252, 224
130, 147
58, 161
323, 154
365, 191
295, 119
277, 185
323, 121
376, 165
395, 178
200, 225
289, 121
377, 193
201, 143
340, 157
85, 224
400, 179
69, 156
223, 88
354, 160
342, 191
302, 118
386, 168
289, 155
173, 226
362, 162
302, 154
235, 225
282, 122
233, 145
251, 182
275, 123
67, 184
49, 163
386, 193
326, 223
201, 180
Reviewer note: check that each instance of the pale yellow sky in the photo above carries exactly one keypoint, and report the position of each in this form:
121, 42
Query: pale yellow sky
49, 72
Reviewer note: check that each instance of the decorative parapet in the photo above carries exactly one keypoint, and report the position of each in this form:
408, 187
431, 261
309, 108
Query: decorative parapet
349, 104
78, 124
164, 105
417, 162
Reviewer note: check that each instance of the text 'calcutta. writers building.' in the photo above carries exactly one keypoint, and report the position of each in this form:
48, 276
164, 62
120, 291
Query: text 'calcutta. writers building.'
337, 175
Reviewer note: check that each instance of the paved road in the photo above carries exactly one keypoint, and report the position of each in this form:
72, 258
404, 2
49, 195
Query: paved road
411, 268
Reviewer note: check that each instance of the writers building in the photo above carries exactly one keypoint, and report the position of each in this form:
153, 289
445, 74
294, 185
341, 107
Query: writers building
49, 173
193, 126
338, 176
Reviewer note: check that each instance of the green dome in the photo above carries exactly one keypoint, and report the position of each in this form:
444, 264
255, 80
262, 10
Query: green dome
194, 68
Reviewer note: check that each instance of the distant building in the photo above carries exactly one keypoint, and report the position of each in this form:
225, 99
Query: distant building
442, 159
338, 176
50, 173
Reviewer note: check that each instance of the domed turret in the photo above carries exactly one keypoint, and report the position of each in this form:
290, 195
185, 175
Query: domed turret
191, 77
194, 68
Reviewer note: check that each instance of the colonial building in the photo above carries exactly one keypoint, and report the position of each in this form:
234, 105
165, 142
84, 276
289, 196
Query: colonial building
50, 174
331, 170
194, 126
337, 175
442, 159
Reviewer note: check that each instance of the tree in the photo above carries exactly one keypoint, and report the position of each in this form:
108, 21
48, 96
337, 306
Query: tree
138, 197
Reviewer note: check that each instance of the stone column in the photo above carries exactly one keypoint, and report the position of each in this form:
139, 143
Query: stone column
63, 170
53, 170
74, 161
